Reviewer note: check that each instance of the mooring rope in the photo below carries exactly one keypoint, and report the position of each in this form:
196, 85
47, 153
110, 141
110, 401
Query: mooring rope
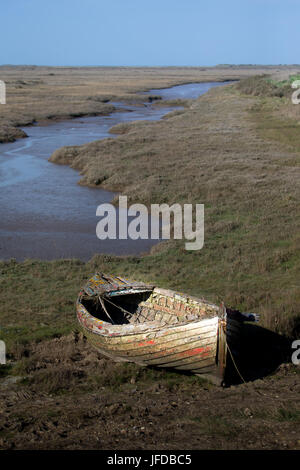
244, 381
234, 363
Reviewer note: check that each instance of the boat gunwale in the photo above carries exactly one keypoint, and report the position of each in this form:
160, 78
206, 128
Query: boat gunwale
119, 286
103, 328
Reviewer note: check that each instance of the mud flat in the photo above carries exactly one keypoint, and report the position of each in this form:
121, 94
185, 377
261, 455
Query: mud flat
68, 397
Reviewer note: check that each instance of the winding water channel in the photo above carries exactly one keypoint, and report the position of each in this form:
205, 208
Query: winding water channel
43, 212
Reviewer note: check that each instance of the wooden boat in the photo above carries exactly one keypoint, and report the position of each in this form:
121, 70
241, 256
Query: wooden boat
135, 322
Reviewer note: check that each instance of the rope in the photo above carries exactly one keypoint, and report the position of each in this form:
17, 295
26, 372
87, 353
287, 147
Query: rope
103, 306
255, 390
118, 306
234, 363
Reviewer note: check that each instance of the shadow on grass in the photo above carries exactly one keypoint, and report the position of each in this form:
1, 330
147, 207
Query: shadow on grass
261, 353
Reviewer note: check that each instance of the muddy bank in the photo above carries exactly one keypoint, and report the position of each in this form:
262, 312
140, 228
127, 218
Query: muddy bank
66, 396
11, 134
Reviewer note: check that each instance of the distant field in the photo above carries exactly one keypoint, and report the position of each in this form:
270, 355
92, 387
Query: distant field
48, 93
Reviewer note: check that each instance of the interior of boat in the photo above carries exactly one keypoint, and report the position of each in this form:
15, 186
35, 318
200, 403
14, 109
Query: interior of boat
118, 310
140, 308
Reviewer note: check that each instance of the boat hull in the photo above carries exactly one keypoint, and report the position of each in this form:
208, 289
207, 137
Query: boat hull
194, 348
180, 332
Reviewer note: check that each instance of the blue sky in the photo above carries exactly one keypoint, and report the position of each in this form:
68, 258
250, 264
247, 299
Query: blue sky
156, 32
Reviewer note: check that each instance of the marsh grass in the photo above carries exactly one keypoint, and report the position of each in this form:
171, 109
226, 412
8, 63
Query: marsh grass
216, 426
5, 370
283, 83
59, 366
288, 414
265, 86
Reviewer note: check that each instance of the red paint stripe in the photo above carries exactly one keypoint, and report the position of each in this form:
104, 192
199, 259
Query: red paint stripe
193, 352
144, 343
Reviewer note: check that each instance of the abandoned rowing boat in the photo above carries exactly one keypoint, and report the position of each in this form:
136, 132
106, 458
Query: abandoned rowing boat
135, 322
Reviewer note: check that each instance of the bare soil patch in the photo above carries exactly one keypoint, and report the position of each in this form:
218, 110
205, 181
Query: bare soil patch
69, 397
